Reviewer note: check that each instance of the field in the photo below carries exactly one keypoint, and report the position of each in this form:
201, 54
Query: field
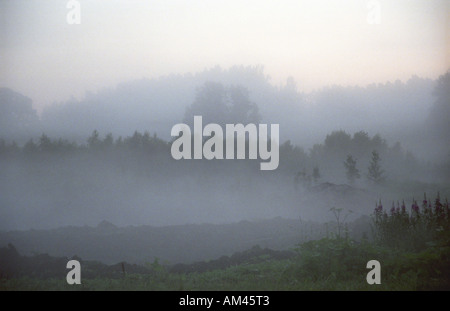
327, 265
412, 248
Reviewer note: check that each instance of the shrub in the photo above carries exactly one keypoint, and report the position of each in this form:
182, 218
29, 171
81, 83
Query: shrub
414, 229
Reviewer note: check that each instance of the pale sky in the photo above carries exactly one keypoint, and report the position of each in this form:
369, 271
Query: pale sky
318, 42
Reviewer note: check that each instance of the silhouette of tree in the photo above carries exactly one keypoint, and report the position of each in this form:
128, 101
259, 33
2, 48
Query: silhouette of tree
337, 142
16, 112
108, 141
440, 111
361, 144
352, 172
242, 110
218, 104
210, 103
375, 173
30, 147
94, 141
45, 144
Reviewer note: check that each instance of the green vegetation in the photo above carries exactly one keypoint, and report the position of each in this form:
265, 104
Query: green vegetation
412, 247
415, 231
327, 264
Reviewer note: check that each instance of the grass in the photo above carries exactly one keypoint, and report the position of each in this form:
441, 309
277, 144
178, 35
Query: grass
413, 249
326, 264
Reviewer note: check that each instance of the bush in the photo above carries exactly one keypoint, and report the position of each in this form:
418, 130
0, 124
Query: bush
336, 258
413, 230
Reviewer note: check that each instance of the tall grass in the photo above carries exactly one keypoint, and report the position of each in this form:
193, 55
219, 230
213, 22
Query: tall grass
415, 228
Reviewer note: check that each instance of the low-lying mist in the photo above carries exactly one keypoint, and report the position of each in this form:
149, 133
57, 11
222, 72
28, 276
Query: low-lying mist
135, 181
71, 178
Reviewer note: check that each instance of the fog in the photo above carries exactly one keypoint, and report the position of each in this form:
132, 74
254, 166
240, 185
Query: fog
86, 113
107, 156
392, 109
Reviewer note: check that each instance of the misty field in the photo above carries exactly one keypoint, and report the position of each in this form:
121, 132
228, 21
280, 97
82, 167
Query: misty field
411, 244
137, 219
224, 145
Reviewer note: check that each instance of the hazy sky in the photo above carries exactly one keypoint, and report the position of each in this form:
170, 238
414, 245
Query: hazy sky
318, 42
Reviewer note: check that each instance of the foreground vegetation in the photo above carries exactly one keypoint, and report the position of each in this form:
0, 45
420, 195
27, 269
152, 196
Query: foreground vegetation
326, 264
413, 248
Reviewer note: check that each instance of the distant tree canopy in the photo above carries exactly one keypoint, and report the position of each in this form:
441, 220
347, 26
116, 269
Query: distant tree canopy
16, 112
157, 104
219, 104
338, 141
440, 111
141, 147
360, 145
138, 142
